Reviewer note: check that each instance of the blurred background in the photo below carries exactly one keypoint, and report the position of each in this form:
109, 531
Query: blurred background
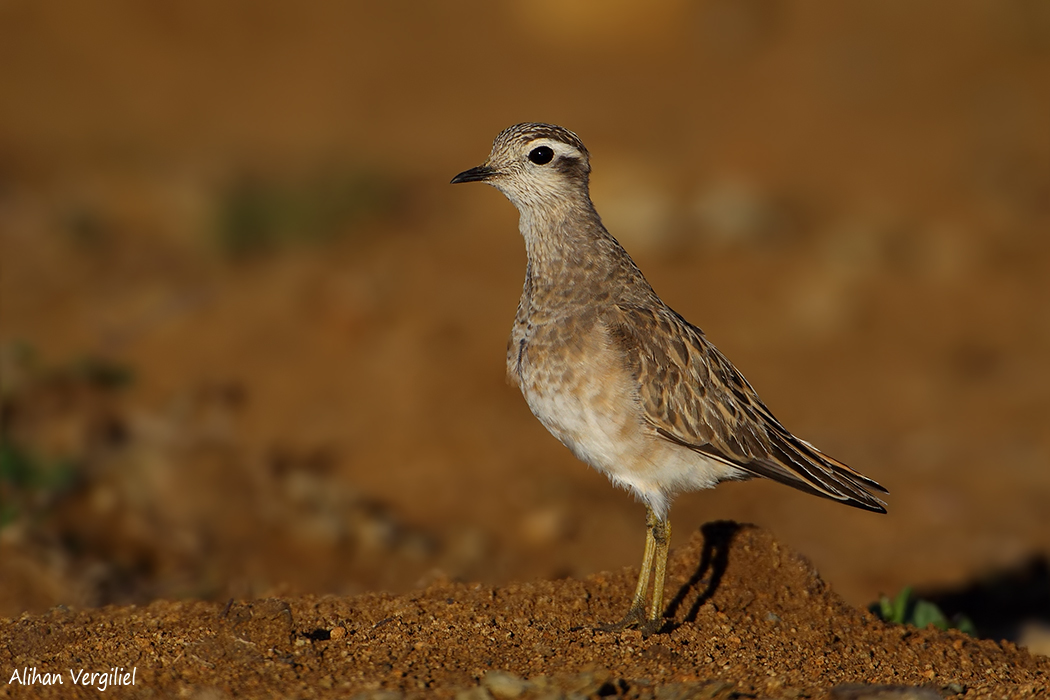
251, 341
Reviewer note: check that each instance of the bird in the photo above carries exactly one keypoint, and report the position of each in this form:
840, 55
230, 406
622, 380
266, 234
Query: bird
625, 382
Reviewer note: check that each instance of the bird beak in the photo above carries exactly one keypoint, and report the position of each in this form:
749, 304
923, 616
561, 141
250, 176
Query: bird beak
478, 174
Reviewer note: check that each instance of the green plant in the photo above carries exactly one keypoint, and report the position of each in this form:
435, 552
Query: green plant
26, 479
100, 372
32, 479
22, 372
905, 609
258, 214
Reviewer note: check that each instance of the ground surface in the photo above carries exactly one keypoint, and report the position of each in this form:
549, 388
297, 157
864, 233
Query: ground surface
244, 208
748, 618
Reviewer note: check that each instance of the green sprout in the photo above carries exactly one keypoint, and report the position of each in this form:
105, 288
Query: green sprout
25, 478
907, 610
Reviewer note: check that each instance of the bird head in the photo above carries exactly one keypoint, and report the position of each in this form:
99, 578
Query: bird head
535, 165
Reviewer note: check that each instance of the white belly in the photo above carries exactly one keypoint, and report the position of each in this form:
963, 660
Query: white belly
592, 408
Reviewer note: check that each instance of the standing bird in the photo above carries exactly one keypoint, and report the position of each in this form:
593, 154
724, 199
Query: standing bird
627, 384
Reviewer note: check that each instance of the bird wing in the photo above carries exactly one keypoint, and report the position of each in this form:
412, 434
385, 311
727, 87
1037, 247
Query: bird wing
693, 396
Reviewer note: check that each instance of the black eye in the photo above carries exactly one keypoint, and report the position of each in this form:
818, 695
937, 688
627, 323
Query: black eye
541, 155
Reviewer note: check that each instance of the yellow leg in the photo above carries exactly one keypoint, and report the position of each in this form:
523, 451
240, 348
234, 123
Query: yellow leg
657, 540
638, 604
661, 535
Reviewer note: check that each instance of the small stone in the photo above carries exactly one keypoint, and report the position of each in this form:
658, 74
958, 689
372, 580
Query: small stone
337, 632
852, 691
693, 690
379, 695
475, 693
1035, 636
504, 685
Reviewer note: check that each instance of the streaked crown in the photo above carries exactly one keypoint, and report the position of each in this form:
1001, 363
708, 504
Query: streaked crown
535, 164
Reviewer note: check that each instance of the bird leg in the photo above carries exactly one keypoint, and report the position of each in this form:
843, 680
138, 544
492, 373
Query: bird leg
657, 540
636, 613
661, 534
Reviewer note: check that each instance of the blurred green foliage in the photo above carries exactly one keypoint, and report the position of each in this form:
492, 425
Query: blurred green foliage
21, 370
99, 372
905, 609
258, 214
27, 479
30, 479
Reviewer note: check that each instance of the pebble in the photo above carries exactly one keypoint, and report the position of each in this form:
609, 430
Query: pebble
504, 685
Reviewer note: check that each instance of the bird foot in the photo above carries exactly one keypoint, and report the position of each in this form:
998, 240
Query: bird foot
634, 619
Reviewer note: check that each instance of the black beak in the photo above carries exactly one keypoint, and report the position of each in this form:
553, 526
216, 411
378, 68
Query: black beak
478, 174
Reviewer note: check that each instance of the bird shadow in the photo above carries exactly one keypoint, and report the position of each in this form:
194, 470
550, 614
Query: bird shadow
714, 559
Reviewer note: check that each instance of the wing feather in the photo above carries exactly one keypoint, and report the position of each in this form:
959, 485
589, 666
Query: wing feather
694, 397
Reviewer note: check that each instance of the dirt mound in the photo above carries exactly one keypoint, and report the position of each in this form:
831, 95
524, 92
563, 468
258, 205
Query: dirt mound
747, 618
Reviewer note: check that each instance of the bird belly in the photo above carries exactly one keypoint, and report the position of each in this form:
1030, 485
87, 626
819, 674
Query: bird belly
589, 402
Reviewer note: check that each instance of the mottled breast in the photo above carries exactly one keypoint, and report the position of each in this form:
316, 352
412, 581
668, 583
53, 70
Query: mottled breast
577, 385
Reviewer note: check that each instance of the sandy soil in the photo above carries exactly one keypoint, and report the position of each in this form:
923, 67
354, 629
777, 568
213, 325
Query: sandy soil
748, 618
246, 209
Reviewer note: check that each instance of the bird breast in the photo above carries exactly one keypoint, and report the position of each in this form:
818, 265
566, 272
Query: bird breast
577, 383
577, 386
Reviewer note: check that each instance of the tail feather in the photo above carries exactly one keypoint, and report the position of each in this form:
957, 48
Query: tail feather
798, 464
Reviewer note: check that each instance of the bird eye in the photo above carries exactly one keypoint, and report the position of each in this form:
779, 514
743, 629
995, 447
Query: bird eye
541, 155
